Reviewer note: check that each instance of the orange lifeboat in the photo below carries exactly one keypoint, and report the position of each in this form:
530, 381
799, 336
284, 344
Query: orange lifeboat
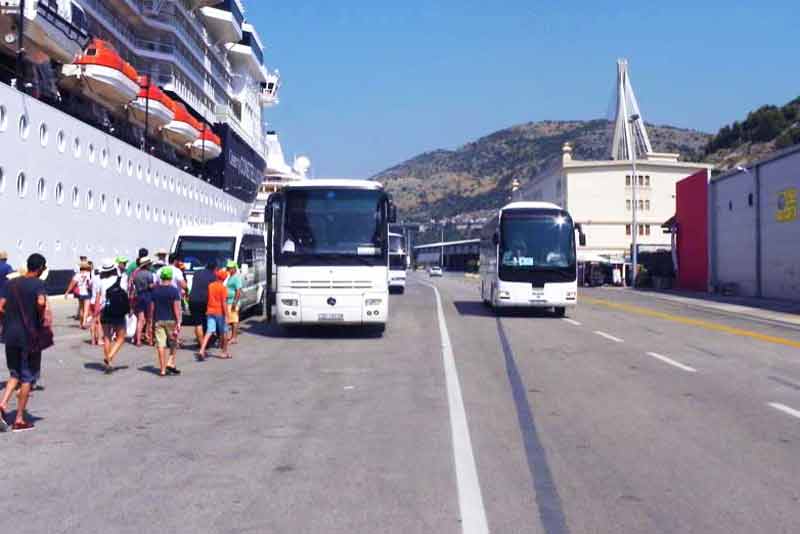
182, 129
101, 75
152, 106
207, 146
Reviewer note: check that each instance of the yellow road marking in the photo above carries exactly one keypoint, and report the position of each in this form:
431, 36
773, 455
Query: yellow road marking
693, 322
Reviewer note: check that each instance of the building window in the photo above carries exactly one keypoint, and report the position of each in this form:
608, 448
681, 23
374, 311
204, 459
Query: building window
647, 229
641, 229
647, 205
647, 181
628, 204
641, 180
627, 229
641, 205
628, 180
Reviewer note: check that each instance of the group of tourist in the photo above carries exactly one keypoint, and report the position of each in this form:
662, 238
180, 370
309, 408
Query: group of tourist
143, 299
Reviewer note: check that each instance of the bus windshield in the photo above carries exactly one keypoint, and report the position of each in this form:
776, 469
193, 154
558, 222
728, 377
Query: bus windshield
331, 224
537, 241
397, 262
196, 252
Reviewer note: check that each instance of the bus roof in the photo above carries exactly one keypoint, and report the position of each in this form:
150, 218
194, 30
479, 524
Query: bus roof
337, 182
530, 205
393, 234
220, 229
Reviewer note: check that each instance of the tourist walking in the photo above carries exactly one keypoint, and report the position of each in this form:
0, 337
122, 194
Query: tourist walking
198, 299
234, 287
133, 265
111, 310
139, 287
26, 322
122, 269
216, 316
81, 287
165, 314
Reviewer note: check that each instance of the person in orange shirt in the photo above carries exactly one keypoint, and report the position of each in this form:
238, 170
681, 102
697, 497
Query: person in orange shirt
217, 315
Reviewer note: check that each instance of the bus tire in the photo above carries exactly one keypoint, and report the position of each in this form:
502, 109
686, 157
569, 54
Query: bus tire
261, 309
560, 311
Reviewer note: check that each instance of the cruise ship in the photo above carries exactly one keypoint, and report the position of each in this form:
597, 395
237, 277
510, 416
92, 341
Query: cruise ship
123, 120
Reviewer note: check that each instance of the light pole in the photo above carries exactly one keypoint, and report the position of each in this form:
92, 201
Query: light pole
635, 195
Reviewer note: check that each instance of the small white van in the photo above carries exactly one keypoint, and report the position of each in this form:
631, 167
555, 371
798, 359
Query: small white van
196, 246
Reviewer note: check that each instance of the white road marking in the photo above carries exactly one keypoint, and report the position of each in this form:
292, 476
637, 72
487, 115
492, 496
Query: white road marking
785, 409
572, 322
608, 336
348, 388
470, 499
672, 362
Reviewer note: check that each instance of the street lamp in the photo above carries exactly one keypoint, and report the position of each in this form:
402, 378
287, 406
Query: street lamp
635, 195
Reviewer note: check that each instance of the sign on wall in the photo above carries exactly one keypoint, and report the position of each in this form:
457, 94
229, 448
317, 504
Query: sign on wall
787, 205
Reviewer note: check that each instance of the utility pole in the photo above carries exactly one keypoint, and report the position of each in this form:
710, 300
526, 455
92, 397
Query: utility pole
441, 262
146, 112
635, 202
20, 47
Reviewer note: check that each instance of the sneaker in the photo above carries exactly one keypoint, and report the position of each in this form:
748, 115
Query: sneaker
173, 370
21, 427
3, 422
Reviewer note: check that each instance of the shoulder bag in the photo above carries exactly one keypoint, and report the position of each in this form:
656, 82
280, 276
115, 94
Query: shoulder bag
41, 337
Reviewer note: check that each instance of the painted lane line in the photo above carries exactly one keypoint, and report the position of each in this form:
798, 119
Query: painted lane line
785, 409
572, 322
672, 362
470, 499
608, 336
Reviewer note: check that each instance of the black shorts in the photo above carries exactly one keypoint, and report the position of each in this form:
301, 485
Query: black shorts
23, 365
197, 311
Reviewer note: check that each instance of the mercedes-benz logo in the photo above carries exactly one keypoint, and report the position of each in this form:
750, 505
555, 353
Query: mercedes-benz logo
331, 301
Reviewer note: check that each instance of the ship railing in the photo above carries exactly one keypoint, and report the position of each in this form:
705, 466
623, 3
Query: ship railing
72, 32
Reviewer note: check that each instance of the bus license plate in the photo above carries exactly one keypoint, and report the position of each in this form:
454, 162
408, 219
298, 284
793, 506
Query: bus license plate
331, 317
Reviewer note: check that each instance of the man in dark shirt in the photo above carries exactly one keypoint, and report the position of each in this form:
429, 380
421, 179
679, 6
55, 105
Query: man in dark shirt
5, 270
24, 300
198, 298
165, 315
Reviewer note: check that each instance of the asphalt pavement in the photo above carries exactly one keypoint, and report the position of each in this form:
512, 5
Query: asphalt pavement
633, 414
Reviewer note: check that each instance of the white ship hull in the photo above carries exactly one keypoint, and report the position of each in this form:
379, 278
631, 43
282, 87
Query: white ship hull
68, 189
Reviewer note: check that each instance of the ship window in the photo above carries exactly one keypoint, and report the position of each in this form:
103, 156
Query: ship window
138, 210
59, 192
104, 157
22, 185
3, 119
171, 217
89, 199
118, 205
139, 171
43, 134
61, 141
24, 127
172, 184
130, 168
147, 212
41, 189
91, 153
128, 208
157, 179
148, 176
76, 197
2, 180
164, 215
119, 163
103, 204
76, 147
57, 246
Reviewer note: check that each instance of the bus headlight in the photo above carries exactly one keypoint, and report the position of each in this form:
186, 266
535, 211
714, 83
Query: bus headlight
505, 295
290, 302
572, 295
373, 302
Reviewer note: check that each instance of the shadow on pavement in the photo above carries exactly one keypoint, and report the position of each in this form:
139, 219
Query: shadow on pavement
152, 369
273, 330
476, 308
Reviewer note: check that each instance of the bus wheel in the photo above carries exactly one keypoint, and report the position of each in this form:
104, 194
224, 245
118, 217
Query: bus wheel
261, 309
561, 311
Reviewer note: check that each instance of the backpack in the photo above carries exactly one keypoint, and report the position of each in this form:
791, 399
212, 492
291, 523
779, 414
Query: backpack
117, 303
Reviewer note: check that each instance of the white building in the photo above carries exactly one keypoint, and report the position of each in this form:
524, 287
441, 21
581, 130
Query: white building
599, 194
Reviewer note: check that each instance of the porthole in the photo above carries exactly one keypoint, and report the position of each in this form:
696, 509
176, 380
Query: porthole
41, 189
138, 210
40, 246
163, 215
119, 163
139, 171
76, 197
61, 141
43, 134
76, 147
89, 199
59, 193
3, 119
164, 184
157, 179
57, 246
91, 153
148, 176
103, 203
22, 185
172, 184
19, 243
130, 168
2, 180
147, 212
128, 208
118, 205
24, 127
104, 157
171, 217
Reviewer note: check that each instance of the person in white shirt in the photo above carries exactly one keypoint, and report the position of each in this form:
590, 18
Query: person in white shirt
80, 286
113, 327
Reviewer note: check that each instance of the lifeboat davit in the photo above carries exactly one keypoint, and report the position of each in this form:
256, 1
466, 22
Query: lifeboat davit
182, 129
207, 146
101, 75
152, 106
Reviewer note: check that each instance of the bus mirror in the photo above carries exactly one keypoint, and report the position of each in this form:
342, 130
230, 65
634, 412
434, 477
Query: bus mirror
244, 268
392, 213
582, 239
495, 239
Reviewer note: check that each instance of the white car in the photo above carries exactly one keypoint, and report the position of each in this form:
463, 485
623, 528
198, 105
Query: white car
435, 271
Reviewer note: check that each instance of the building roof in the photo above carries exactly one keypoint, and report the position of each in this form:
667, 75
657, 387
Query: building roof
626, 164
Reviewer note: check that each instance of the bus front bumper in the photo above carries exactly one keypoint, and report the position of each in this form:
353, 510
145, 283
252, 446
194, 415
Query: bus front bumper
524, 295
344, 309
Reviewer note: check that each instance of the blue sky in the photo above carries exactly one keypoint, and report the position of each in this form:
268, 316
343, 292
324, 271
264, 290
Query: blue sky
368, 84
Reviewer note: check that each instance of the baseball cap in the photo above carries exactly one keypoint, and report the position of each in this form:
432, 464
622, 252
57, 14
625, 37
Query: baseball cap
122, 259
222, 275
166, 273
231, 265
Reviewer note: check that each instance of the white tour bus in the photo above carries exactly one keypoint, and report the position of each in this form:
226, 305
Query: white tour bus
328, 241
196, 246
528, 257
398, 263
